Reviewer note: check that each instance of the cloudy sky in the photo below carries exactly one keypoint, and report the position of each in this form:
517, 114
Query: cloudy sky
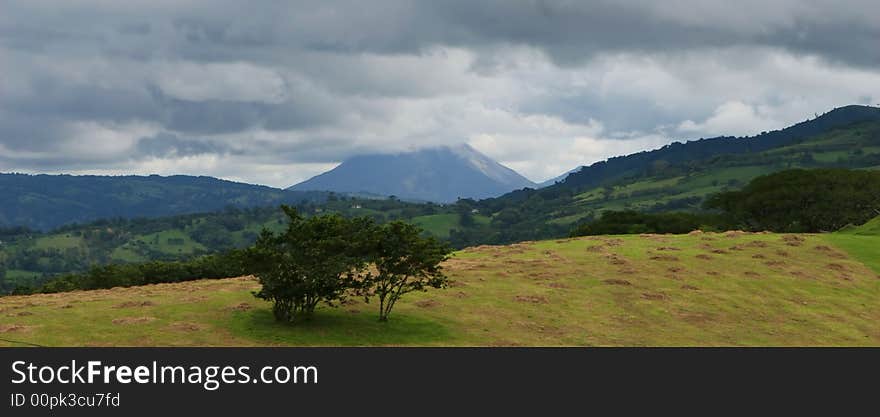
273, 92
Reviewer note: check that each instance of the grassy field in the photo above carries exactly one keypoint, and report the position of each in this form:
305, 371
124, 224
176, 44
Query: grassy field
732, 289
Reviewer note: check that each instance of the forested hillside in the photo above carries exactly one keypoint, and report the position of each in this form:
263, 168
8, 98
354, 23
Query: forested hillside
680, 176
48, 201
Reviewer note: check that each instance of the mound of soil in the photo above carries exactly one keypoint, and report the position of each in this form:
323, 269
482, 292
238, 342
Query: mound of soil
241, 307
185, 327
13, 328
836, 267
130, 304
427, 303
534, 299
653, 296
133, 320
667, 258
617, 282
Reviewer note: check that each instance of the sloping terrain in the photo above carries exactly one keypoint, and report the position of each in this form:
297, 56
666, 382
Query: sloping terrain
730, 289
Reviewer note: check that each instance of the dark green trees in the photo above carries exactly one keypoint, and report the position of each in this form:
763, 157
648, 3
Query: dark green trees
315, 259
803, 200
404, 262
326, 258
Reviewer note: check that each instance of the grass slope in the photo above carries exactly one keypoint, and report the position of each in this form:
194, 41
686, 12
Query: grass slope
862, 242
732, 289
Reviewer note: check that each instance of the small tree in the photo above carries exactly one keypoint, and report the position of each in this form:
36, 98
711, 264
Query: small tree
314, 260
405, 261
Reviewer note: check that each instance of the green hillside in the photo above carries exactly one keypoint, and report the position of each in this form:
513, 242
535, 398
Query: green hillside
705, 289
46, 202
871, 228
680, 176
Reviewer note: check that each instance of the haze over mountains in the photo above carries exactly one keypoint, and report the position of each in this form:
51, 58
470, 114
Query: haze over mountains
440, 174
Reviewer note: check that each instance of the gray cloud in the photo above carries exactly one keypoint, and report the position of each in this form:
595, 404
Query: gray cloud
275, 91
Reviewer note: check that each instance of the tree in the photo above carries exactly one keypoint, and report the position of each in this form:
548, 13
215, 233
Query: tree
405, 261
802, 200
314, 260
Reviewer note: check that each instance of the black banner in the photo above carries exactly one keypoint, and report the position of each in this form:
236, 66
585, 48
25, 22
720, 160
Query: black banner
395, 381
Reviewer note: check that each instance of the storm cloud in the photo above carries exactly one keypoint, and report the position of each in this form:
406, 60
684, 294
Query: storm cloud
273, 92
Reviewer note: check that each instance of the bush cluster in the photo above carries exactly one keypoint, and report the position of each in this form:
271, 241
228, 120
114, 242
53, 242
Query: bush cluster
324, 259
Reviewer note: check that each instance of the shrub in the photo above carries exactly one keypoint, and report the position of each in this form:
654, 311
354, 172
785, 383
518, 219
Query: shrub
405, 261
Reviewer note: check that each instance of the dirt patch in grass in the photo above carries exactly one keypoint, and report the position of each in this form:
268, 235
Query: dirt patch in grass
793, 240
733, 234
720, 251
427, 303
131, 304
665, 258
63, 306
558, 285
752, 274
614, 281
836, 267
689, 287
756, 244
15, 328
675, 269
695, 232
668, 248
20, 314
653, 296
185, 327
133, 320
704, 257
783, 253
596, 248
712, 273
534, 299
775, 264
617, 260
240, 307
759, 256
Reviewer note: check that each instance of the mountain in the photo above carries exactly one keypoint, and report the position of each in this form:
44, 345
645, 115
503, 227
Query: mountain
440, 174
47, 201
